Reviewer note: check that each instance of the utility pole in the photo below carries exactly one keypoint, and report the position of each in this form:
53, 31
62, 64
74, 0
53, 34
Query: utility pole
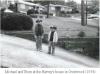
83, 14
86, 12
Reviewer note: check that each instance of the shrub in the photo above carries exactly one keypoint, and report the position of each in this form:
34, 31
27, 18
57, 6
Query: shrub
92, 10
92, 48
81, 34
16, 21
30, 11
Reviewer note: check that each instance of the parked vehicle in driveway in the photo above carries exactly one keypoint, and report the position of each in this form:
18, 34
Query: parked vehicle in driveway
8, 11
94, 16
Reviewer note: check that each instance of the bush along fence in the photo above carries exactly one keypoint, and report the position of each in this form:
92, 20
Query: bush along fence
16, 21
87, 46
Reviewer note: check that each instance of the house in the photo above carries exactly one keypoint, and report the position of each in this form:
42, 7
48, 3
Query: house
56, 9
25, 6
22, 6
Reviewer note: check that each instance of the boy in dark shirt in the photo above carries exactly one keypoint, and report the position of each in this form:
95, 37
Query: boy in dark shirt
39, 34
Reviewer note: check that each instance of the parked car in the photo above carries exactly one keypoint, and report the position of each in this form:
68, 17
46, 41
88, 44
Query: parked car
94, 16
8, 11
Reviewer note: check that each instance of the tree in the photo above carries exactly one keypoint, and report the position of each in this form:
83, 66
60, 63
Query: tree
93, 6
13, 7
72, 4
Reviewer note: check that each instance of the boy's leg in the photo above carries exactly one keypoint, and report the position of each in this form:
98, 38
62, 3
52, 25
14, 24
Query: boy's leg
37, 43
53, 48
49, 52
40, 43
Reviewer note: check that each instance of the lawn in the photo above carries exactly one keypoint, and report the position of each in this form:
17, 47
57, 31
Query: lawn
68, 27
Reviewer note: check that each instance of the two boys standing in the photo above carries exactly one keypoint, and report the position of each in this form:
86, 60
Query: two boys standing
52, 37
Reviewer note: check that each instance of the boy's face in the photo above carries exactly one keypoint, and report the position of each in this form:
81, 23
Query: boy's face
52, 29
38, 22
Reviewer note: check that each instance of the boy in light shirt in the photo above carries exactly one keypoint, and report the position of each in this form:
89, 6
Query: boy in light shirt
52, 38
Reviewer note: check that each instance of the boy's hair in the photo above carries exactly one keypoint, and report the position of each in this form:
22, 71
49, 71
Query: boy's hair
55, 28
38, 21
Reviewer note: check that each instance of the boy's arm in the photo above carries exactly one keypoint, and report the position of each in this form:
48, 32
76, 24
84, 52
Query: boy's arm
49, 36
56, 37
35, 30
42, 31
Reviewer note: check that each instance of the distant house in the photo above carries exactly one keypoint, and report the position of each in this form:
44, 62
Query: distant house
66, 8
22, 6
56, 9
25, 6
4, 3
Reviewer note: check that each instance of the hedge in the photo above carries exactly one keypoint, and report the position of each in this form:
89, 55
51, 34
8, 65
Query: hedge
16, 21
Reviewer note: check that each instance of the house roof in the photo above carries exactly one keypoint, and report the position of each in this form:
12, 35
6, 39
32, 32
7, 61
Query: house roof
30, 4
57, 5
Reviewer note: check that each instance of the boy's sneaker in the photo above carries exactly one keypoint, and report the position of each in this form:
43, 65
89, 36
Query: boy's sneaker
40, 50
37, 49
49, 53
53, 54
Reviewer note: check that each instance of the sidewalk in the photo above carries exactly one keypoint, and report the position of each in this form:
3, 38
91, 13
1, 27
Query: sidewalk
21, 53
91, 22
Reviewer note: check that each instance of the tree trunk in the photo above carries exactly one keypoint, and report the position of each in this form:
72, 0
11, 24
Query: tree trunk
16, 7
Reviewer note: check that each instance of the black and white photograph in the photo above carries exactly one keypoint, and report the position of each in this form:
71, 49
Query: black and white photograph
49, 33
